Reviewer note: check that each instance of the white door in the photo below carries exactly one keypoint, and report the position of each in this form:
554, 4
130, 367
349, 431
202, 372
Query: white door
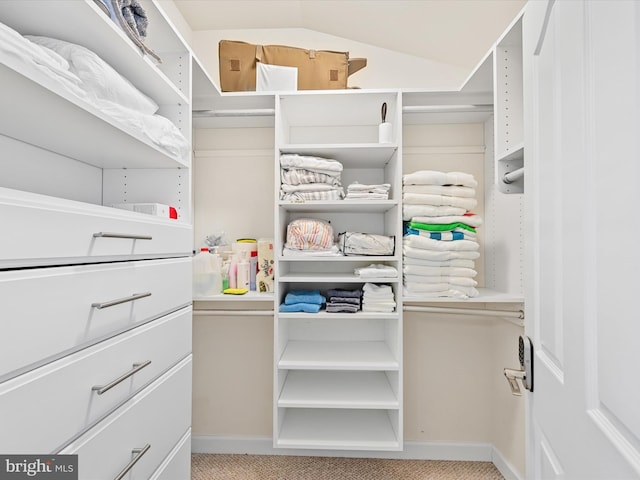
582, 108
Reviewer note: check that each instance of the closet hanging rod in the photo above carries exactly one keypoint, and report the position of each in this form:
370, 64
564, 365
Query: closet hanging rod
244, 313
244, 112
447, 108
515, 317
513, 176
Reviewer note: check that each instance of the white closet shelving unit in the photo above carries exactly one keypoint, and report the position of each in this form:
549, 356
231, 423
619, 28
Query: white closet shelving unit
509, 118
91, 293
338, 376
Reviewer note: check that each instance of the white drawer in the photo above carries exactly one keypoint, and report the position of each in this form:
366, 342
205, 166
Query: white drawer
48, 311
41, 230
157, 417
177, 466
44, 409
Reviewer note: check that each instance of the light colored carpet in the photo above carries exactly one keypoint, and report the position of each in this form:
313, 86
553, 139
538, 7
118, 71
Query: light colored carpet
282, 467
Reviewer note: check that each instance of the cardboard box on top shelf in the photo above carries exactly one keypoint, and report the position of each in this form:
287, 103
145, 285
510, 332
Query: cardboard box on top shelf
317, 69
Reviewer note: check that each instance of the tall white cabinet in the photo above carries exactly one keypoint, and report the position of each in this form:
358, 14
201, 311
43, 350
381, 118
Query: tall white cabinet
95, 354
338, 376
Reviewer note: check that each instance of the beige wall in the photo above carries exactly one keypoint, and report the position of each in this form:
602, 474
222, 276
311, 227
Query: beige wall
454, 389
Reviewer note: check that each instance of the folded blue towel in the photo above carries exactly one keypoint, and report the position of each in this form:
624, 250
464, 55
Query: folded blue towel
304, 296
300, 307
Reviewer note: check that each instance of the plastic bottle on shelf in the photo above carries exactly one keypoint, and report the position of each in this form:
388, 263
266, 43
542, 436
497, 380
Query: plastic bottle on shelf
253, 269
203, 275
225, 275
233, 272
243, 277
217, 273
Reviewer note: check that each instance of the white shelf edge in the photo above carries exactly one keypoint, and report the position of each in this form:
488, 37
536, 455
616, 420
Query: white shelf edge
250, 296
486, 295
515, 152
337, 355
332, 277
323, 315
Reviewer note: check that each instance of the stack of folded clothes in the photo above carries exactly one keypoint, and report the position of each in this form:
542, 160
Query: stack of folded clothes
378, 298
358, 191
310, 301
343, 301
305, 178
376, 270
439, 243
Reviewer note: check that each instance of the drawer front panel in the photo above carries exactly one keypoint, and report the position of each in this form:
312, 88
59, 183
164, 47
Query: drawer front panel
47, 407
49, 311
157, 417
178, 465
54, 234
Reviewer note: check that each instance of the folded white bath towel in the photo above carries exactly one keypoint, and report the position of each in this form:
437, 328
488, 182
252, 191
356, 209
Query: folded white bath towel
411, 211
451, 280
439, 200
376, 270
440, 290
418, 241
432, 177
449, 190
425, 254
439, 271
456, 262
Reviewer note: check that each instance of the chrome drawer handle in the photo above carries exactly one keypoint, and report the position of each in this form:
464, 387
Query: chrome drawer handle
138, 452
118, 301
100, 389
131, 236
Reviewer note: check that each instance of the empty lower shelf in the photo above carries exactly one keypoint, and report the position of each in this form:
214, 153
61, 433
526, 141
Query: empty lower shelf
325, 389
338, 430
337, 355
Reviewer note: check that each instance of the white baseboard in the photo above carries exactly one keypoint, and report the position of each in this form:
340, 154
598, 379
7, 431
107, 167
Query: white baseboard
482, 452
503, 466
412, 450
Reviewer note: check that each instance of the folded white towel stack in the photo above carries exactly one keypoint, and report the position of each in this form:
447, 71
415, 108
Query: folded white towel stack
378, 298
439, 243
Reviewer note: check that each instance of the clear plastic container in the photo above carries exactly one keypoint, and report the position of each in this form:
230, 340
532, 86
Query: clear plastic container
203, 274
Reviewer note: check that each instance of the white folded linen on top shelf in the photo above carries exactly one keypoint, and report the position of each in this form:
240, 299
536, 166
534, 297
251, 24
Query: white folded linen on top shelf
314, 164
448, 190
300, 176
411, 211
432, 177
55, 72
